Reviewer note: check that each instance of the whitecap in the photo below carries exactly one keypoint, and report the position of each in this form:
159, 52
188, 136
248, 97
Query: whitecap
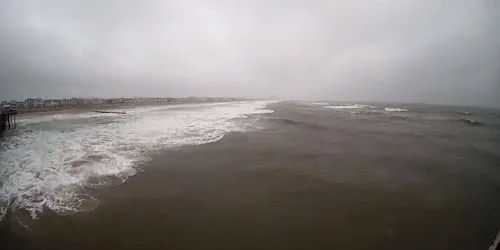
320, 103
389, 109
352, 106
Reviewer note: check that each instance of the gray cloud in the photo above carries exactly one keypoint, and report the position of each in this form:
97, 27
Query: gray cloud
386, 50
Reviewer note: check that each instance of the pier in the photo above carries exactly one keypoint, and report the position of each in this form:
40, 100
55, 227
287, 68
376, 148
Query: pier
7, 119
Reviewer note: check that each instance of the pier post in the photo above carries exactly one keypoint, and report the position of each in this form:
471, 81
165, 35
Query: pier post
2, 124
7, 120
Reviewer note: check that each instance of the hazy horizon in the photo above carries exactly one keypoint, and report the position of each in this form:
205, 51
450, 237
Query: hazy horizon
437, 52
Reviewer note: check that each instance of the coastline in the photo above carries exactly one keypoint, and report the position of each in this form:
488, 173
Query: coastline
90, 108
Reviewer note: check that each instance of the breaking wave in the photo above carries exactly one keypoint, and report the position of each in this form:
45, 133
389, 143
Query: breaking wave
320, 103
353, 106
53, 161
389, 109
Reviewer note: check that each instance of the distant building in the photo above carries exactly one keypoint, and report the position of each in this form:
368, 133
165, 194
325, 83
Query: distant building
6, 107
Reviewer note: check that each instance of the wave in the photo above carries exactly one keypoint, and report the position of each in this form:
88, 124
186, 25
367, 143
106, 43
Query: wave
320, 103
51, 166
352, 106
472, 122
389, 109
309, 125
34, 119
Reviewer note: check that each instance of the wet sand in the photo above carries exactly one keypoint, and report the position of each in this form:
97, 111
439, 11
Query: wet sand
303, 183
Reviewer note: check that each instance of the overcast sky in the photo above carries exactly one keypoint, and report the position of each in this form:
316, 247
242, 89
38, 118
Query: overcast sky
435, 51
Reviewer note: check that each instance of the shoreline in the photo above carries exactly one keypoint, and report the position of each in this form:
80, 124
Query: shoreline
52, 111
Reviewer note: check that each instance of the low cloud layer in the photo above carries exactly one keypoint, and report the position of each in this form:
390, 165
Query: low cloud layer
445, 52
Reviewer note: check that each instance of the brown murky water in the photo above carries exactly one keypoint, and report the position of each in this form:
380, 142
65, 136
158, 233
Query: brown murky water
315, 178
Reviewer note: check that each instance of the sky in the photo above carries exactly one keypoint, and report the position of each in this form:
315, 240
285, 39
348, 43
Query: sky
430, 51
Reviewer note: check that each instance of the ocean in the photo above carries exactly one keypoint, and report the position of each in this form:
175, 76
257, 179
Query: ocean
253, 175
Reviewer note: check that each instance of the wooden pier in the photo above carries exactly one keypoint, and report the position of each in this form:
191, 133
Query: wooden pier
7, 120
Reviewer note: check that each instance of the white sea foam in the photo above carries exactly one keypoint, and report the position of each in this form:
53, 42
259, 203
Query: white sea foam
53, 160
352, 106
389, 109
320, 103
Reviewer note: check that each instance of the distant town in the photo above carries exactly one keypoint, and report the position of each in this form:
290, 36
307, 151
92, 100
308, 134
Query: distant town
40, 104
